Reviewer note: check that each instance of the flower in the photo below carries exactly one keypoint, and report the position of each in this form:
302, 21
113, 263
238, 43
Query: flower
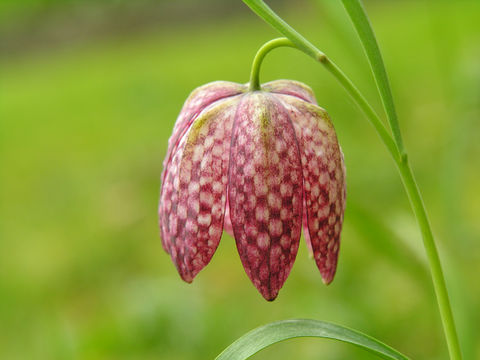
258, 164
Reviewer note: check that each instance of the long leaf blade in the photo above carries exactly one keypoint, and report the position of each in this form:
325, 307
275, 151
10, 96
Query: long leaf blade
364, 29
275, 332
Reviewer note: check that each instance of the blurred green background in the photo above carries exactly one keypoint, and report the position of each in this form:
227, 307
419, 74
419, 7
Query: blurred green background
89, 93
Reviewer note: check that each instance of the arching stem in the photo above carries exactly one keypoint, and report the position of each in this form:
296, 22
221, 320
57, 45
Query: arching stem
257, 61
351, 89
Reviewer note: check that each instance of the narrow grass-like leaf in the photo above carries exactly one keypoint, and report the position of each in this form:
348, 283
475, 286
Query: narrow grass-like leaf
364, 29
272, 333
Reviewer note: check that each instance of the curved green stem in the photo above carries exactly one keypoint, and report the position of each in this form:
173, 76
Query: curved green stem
267, 14
436, 271
352, 90
395, 148
257, 61
367, 109
337, 73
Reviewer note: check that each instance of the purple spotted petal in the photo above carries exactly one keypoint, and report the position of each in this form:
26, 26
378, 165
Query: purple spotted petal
324, 181
265, 191
198, 100
193, 194
291, 87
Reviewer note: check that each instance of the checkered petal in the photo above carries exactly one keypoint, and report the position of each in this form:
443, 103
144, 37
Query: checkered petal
193, 195
265, 191
198, 100
323, 181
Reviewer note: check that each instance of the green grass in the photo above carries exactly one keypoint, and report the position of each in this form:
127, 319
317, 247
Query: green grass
83, 133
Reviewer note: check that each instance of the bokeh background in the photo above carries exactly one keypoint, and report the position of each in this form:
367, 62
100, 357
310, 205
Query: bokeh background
89, 92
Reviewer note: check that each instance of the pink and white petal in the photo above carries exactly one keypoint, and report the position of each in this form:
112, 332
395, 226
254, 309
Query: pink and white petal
198, 100
292, 88
324, 181
265, 191
192, 203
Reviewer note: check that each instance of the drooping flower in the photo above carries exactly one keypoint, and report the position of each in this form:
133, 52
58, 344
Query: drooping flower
259, 164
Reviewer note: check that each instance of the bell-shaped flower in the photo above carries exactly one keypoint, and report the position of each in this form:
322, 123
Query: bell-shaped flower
259, 164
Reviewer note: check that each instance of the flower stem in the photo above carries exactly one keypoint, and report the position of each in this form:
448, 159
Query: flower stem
352, 90
436, 271
257, 61
367, 109
395, 148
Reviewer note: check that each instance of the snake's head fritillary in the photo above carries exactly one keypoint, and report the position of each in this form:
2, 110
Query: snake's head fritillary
259, 164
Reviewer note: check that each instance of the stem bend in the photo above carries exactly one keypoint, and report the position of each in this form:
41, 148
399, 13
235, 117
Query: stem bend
261, 53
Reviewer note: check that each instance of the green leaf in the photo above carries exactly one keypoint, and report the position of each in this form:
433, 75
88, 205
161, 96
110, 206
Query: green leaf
272, 333
364, 29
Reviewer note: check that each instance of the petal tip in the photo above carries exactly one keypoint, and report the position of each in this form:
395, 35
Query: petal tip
270, 296
328, 276
326, 281
188, 281
188, 278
